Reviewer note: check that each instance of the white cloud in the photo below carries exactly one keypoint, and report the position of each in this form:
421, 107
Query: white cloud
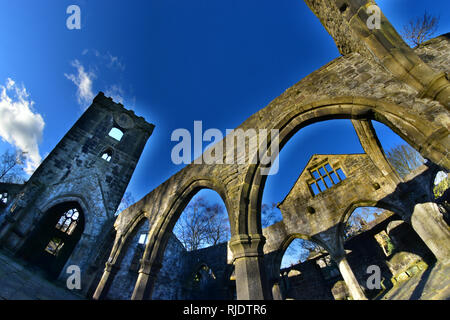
19, 125
83, 80
116, 93
106, 59
114, 62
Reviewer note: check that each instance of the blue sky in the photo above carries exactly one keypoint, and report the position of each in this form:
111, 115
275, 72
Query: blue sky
173, 62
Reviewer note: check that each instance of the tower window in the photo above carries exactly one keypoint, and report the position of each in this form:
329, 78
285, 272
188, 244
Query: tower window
107, 155
116, 134
4, 197
325, 177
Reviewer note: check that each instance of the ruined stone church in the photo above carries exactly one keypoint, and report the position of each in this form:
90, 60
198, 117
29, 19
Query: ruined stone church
65, 213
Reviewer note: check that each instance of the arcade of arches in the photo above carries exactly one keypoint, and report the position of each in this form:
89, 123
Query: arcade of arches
378, 77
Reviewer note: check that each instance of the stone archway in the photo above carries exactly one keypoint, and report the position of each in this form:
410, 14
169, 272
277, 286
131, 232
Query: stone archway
55, 238
162, 208
160, 232
370, 203
122, 242
425, 136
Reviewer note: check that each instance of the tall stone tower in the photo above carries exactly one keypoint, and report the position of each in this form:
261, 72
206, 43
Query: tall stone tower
63, 210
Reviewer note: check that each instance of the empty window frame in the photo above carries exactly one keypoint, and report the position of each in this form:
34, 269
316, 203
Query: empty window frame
325, 177
54, 246
385, 242
116, 133
143, 238
107, 155
4, 197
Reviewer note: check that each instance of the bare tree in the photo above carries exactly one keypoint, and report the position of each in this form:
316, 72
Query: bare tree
404, 159
11, 165
420, 29
359, 220
269, 214
218, 227
202, 224
299, 250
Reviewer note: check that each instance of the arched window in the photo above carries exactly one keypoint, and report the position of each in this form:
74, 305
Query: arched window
4, 197
107, 155
68, 221
116, 134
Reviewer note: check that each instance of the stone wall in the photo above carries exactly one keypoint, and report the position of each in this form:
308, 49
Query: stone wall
307, 281
123, 283
436, 52
214, 258
168, 285
170, 280
11, 189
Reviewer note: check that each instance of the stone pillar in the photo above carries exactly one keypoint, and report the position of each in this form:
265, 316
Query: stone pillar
276, 290
429, 224
372, 146
105, 282
248, 258
333, 241
145, 283
350, 279
119, 248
